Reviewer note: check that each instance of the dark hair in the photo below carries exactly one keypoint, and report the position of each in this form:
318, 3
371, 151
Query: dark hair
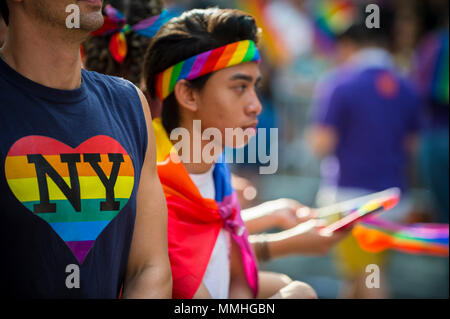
194, 32
97, 55
4, 11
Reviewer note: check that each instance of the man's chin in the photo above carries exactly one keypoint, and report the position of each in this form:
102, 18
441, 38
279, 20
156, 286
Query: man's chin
92, 21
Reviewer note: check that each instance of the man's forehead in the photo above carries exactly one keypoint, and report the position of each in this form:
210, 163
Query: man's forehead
249, 69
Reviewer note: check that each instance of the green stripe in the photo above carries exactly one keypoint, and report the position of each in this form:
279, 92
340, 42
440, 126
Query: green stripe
90, 211
250, 52
175, 74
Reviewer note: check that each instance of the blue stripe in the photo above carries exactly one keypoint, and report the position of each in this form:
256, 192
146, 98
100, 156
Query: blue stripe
79, 231
187, 67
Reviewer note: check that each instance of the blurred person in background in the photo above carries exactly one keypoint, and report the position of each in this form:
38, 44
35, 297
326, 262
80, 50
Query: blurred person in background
365, 120
431, 73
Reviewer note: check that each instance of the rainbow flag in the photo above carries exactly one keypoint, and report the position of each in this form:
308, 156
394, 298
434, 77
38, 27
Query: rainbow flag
77, 191
277, 52
331, 18
375, 235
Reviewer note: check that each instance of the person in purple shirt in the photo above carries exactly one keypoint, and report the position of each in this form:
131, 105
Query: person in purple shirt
364, 122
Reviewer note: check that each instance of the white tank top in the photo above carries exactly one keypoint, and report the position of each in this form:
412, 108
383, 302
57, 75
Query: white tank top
217, 275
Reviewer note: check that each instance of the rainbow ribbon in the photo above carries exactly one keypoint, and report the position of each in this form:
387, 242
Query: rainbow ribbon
116, 25
205, 63
375, 235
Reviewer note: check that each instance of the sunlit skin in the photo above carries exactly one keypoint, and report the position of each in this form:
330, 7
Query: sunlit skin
38, 28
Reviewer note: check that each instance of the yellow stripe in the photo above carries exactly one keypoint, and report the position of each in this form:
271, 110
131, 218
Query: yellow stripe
163, 144
239, 55
166, 80
27, 190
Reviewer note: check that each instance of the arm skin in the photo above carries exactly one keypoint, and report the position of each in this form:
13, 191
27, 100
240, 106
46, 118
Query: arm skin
282, 213
148, 272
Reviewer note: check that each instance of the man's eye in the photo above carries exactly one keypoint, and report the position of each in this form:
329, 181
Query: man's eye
241, 88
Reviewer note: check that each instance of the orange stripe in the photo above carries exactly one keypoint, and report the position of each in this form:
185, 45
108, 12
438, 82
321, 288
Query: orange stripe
226, 56
18, 167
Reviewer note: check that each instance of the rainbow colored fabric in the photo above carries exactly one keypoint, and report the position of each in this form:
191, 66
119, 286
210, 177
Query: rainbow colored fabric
205, 63
376, 235
276, 51
116, 24
194, 222
332, 18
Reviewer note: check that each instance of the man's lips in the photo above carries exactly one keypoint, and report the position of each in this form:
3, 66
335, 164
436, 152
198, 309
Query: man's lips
251, 128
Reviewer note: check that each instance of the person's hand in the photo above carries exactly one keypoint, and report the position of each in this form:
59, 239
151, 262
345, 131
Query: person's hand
307, 238
288, 213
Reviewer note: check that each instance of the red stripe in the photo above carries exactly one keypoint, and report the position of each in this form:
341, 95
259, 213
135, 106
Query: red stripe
212, 60
48, 146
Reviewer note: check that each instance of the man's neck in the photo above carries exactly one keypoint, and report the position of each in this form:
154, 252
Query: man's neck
43, 55
197, 164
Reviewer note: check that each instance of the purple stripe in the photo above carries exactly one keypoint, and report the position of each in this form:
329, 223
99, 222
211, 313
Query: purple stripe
80, 248
198, 65
145, 23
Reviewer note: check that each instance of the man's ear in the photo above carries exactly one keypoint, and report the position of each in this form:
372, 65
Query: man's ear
186, 96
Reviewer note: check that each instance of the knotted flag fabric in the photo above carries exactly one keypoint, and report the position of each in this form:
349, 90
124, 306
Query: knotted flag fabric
194, 222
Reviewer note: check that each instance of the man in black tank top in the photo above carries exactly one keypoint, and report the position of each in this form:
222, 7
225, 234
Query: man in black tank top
82, 213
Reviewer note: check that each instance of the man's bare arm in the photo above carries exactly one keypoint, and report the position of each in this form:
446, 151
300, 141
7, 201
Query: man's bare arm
148, 273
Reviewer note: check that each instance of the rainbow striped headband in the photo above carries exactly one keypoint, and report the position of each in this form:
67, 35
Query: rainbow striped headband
205, 63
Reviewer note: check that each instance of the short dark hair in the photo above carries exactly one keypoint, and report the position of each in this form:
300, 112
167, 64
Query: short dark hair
194, 32
4, 12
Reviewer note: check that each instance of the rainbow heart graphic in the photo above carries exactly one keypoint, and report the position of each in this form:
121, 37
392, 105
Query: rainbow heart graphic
77, 191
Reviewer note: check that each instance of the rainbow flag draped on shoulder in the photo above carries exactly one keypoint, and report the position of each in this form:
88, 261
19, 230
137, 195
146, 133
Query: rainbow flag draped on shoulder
194, 222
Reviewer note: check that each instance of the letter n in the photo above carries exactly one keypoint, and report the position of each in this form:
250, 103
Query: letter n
43, 168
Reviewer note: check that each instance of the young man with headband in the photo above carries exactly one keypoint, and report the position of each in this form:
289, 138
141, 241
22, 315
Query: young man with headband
82, 210
204, 66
